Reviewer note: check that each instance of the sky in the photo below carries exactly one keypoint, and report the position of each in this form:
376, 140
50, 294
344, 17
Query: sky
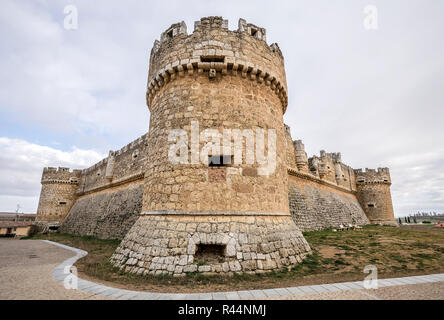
68, 96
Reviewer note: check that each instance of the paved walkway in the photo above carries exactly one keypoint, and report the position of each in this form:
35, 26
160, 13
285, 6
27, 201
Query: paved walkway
25, 272
26, 267
430, 287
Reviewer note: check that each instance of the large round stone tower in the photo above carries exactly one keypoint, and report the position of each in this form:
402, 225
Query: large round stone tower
216, 190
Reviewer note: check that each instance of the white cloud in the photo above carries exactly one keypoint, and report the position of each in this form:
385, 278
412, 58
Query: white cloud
21, 165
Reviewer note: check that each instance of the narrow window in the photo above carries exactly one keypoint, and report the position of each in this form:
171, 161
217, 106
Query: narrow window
220, 59
62, 202
219, 161
371, 205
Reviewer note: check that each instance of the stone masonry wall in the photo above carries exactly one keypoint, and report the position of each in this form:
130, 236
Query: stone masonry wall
106, 215
315, 207
169, 245
121, 165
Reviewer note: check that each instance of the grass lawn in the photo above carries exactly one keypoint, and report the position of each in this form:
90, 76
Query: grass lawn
337, 257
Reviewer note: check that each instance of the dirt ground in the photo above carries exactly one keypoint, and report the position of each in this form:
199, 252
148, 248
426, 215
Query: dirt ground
337, 257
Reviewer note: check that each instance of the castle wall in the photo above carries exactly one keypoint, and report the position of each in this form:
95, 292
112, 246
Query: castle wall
107, 214
317, 206
119, 167
110, 194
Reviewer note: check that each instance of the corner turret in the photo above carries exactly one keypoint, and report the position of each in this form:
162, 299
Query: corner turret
58, 194
373, 192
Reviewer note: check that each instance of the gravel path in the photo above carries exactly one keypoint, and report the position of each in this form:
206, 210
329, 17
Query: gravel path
26, 271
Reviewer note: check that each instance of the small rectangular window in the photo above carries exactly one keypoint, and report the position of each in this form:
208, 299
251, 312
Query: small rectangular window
62, 202
219, 161
220, 59
371, 205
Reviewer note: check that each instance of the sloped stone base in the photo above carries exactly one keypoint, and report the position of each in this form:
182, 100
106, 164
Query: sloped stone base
105, 215
318, 207
167, 244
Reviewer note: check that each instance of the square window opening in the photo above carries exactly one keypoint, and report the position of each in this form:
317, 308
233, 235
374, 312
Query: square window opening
219, 161
210, 253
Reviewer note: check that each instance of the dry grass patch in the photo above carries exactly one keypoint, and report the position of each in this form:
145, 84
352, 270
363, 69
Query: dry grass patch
337, 257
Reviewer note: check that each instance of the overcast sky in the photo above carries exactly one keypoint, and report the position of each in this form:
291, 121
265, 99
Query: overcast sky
69, 96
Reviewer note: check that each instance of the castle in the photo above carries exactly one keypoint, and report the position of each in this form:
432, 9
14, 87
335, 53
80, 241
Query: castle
215, 210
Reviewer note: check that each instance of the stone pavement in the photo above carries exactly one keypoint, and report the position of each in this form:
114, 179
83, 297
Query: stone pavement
25, 272
24, 277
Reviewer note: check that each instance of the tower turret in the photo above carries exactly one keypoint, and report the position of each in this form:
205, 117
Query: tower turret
301, 156
58, 194
373, 192
226, 207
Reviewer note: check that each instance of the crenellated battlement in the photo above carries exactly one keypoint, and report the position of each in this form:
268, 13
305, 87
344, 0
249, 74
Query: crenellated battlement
132, 148
173, 31
60, 175
208, 23
381, 175
252, 30
214, 50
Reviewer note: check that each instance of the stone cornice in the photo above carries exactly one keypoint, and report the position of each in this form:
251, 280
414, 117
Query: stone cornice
231, 65
128, 179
